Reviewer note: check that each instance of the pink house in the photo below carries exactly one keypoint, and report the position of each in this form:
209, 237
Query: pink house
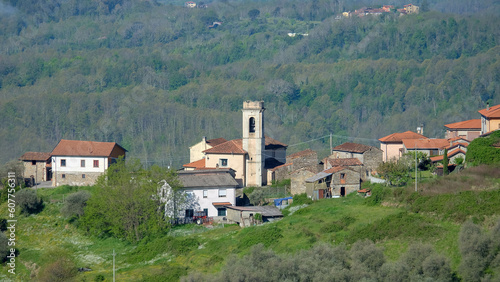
392, 145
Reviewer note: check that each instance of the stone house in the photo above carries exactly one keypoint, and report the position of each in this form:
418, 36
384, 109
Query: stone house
80, 163
469, 129
490, 119
369, 156
392, 145
37, 165
306, 159
333, 182
298, 180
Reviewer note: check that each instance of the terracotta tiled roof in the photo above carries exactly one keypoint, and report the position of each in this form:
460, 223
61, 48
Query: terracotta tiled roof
229, 147
457, 145
398, 137
492, 112
280, 166
466, 124
84, 148
450, 154
345, 162
306, 152
352, 147
335, 169
270, 141
35, 156
458, 138
216, 141
196, 164
426, 143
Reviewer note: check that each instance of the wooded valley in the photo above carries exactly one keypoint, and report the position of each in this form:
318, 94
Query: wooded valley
152, 75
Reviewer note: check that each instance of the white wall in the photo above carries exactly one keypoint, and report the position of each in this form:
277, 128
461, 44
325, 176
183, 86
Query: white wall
73, 164
212, 197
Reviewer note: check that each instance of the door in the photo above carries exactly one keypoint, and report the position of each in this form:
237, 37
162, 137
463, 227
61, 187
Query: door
342, 191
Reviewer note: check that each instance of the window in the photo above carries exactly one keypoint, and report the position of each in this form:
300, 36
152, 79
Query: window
205, 193
189, 213
63, 162
205, 211
96, 163
83, 175
63, 175
251, 124
223, 162
82, 163
221, 212
33, 162
222, 193
342, 176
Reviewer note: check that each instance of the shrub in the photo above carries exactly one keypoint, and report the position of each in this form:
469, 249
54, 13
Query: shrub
62, 270
4, 247
75, 204
28, 201
301, 199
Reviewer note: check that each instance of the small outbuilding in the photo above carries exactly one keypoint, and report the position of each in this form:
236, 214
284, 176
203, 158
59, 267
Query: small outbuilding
246, 216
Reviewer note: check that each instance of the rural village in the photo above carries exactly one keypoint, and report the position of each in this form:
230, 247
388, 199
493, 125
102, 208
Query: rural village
220, 168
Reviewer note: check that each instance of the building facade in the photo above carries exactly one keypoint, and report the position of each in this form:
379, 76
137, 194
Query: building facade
80, 163
37, 165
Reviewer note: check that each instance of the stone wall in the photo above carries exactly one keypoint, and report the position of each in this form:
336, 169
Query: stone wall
298, 181
371, 160
75, 179
37, 171
351, 184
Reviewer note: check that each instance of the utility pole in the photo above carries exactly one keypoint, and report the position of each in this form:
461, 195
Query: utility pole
114, 254
416, 166
330, 145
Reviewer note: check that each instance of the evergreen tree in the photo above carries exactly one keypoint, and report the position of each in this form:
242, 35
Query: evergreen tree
445, 162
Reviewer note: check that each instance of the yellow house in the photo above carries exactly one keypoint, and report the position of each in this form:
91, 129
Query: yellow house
196, 151
490, 119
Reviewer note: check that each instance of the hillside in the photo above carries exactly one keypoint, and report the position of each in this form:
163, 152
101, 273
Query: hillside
153, 77
396, 220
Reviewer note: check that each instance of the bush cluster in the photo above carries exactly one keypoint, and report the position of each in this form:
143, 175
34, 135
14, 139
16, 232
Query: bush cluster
28, 201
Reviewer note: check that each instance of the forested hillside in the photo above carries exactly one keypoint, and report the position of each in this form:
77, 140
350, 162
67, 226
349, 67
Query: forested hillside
155, 78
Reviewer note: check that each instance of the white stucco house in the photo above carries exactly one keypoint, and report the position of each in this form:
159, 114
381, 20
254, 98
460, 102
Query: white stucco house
76, 162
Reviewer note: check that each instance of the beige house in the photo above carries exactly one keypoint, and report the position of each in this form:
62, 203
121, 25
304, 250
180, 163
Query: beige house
392, 145
468, 129
490, 119
196, 151
411, 9
37, 165
250, 157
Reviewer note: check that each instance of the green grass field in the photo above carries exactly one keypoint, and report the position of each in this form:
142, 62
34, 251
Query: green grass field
393, 221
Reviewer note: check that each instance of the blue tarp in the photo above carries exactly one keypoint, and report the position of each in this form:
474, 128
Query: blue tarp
277, 202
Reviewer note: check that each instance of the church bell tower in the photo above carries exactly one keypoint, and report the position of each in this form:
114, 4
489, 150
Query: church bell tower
254, 142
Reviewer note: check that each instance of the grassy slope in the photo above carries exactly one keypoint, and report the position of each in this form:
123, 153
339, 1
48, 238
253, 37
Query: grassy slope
196, 248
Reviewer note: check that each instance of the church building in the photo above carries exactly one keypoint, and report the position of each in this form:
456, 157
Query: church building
249, 157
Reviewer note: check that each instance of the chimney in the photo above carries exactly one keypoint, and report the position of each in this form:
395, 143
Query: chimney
488, 106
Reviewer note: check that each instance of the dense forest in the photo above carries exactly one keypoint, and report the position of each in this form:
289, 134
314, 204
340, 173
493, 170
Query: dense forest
152, 75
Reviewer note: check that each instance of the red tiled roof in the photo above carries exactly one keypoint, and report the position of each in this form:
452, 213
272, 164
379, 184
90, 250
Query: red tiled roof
364, 191
196, 164
492, 112
84, 148
228, 147
306, 152
352, 147
398, 137
345, 162
270, 141
280, 166
35, 156
466, 124
457, 145
426, 143
450, 154
335, 169
458, 138
222, 204
216, 141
